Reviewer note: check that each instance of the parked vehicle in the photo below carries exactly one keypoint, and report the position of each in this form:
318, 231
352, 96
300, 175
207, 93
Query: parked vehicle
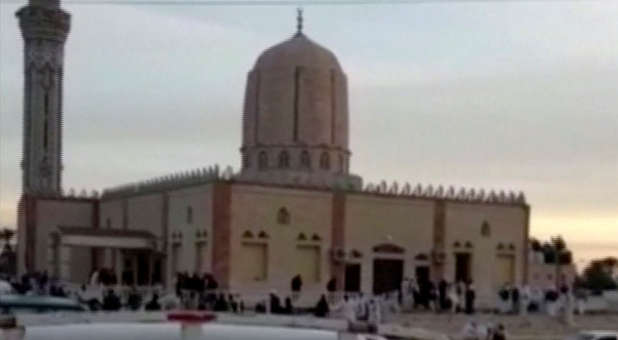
16, 304
595, 335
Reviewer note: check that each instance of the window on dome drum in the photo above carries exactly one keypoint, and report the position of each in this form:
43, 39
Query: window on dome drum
189, 215
284, 160
262, 160
324, 161
246, 161
305, 160
341, 164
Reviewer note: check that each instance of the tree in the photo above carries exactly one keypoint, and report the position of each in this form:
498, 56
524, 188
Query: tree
598, 275
6, 234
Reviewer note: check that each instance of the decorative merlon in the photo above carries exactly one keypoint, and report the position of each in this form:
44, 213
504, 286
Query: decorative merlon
172, 181
461, 194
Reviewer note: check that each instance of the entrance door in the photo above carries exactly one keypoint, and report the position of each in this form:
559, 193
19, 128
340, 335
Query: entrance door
387, 275
352, 277
462, 267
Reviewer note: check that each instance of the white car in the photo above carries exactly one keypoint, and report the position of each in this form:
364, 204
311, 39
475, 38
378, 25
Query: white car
173, 331
595, 335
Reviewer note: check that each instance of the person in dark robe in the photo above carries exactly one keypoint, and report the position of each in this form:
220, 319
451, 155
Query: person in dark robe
499, 333
297, 283
442, 285
134, 300
153, 304
322, 309
275, 303
288, 308
111, 301
470, 296
331, 286
221, 304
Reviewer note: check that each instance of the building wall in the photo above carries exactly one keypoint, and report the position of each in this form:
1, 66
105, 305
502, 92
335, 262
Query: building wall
199, 200
255, 210
373, 220
507, 226
53, 213
111, 215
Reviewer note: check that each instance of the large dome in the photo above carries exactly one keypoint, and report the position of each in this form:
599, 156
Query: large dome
295, 119
297, 51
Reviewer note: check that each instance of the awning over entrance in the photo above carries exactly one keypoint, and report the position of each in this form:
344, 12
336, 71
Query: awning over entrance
105, 238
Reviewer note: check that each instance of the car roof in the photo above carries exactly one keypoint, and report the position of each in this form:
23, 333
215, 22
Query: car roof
34, 300
171, 331
600, 333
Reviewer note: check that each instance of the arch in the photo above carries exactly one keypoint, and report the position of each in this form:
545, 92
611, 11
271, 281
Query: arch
302, 237
247, 234
485, 229
316, 237
263, 234
388, 248
421, 257
325, 161
283, 216
262, 160
305, 160
284, 160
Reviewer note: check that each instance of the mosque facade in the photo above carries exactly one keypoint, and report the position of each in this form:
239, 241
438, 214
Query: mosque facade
293, 208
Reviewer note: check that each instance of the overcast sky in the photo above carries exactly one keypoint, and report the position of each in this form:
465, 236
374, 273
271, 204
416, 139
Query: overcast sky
518, 95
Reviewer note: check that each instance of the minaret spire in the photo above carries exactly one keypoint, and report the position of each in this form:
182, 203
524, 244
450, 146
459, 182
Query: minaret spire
44, 27
299, 21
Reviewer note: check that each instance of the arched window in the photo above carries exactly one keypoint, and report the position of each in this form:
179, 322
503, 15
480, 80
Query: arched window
284, 160
246, 161
283, 216
324, 161
305, 160
485, 229
189, 215
341, 164
263, 160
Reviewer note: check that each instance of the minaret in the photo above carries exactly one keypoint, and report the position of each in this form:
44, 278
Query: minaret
44, 26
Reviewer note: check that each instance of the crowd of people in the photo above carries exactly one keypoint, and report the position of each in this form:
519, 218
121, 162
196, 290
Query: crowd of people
36, 283
476, 331
440, 296
553, 301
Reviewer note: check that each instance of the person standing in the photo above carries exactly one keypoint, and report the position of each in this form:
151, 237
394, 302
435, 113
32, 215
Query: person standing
442, 285
375, 315
470, 297
515, 299
499, 333
322, 309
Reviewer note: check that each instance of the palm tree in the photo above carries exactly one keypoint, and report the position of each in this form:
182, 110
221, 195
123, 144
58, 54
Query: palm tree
6, 234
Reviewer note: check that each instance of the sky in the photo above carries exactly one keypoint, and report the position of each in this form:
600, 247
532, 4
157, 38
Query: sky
516, 95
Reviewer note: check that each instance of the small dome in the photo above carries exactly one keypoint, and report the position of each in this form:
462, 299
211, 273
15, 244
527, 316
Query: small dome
297, 51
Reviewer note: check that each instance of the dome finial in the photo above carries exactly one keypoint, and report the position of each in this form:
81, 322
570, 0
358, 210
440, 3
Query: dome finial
299, 21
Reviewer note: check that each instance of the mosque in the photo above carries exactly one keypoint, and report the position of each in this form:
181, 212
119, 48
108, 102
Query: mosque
294, 207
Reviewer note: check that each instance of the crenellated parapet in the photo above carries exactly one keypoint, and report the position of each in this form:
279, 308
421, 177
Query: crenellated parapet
171, 182
451, 193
